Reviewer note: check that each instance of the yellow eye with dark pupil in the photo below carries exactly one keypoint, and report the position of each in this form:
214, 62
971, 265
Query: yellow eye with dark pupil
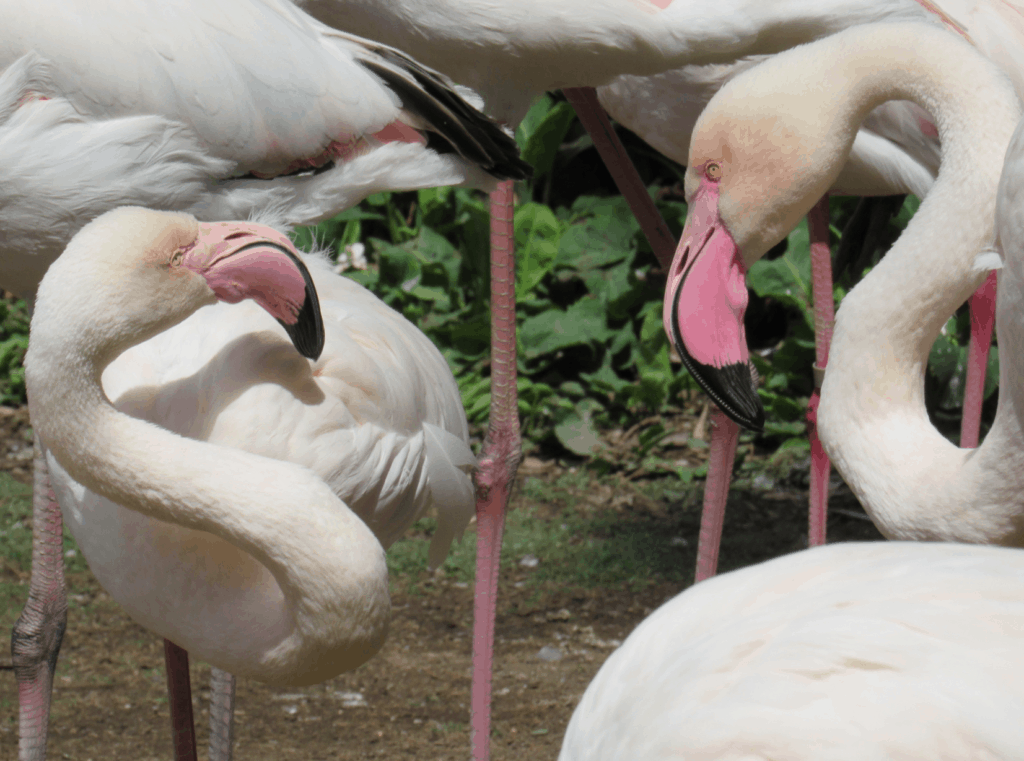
713, 171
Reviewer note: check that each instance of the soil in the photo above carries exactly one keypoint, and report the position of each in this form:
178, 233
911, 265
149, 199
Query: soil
412, 699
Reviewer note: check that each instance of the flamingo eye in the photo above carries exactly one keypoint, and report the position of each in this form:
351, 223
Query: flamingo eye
713, 171
178, 257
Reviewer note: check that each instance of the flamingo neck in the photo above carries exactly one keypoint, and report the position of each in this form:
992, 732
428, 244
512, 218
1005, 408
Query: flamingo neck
327, 563
912, 481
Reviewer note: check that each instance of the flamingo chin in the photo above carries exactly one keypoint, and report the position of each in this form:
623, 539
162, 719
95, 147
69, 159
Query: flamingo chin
704, 310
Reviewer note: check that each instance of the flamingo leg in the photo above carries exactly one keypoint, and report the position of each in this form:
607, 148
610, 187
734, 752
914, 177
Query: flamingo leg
724, 432
179, 690
622, 170
498, 463
983, 315
222, 714
724, 439
37, 634
824, 322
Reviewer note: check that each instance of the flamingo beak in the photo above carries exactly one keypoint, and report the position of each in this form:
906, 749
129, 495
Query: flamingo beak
705, 300
242, 261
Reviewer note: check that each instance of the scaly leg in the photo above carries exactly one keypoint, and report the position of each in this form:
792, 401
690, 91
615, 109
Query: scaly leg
498, 463
37, 634
179, 691
222, 714
824, 322
983, 318
724, 438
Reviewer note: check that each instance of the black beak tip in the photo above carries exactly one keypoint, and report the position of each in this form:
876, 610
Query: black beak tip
307, 332
731, 387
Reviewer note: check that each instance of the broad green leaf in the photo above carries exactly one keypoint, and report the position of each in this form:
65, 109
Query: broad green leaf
788, 278
575, 430
554, 330
546, 137
537, 234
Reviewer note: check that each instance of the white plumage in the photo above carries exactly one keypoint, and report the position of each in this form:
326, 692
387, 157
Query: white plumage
866, 651
187, 105
378, 418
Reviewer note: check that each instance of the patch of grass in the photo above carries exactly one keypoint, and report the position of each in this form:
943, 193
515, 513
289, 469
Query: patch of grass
574, 547
16, 531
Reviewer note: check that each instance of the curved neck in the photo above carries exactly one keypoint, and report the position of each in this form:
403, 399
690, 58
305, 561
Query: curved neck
327, 563
913, 482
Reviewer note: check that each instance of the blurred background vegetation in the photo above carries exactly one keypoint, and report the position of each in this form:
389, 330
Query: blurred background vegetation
593, 356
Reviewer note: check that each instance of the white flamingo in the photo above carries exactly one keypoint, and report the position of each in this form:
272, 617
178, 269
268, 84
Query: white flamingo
220, 108
237, 525
514, 52
878, 650
872, 417
883, 650
272, 110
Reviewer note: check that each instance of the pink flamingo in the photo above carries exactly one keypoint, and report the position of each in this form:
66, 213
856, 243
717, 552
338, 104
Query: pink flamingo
879, 628
179, 114
514, 52
872, 420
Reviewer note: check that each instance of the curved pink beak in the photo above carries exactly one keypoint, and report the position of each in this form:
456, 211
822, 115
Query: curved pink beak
705, 300
240, 260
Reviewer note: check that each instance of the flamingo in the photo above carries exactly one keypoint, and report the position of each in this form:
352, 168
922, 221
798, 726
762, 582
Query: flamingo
240, 520
183, 113
898, 141
861, 650
514, 52
913, 483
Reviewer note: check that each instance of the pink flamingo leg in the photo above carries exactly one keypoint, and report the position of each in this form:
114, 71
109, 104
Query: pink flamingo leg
37, 634
983, 315
179, 689
622, 170
824, 322
724, 432
498, 463
222, 714
724, 438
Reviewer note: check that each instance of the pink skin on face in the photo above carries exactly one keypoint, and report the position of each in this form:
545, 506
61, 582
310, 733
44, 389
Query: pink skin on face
246, 261
713, 297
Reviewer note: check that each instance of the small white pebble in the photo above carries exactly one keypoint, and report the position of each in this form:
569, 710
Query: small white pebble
550, 654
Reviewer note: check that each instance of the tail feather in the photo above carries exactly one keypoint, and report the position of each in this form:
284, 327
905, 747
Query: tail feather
451, 120
449, 462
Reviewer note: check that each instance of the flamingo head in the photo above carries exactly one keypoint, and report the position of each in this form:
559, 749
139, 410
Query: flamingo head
753, 172
242, 260
151, 269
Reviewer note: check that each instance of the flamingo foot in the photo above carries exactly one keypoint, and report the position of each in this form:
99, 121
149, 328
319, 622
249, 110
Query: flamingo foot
222, 714
37, 634
983, 316
498, 464
179, 690
724, 439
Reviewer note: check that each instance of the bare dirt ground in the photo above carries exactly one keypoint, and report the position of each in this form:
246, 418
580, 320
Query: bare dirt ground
412, 700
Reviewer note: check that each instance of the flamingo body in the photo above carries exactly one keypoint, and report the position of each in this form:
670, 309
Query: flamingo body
377, 418
871, 651
190, 111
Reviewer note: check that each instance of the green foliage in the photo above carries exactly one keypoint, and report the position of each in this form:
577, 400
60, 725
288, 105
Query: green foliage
13, 344
591, 348
592, 351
